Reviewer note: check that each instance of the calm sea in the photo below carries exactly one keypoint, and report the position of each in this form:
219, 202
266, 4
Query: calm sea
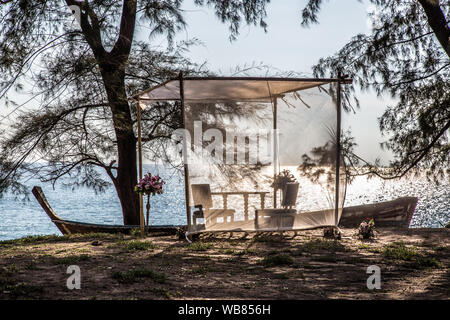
20, 218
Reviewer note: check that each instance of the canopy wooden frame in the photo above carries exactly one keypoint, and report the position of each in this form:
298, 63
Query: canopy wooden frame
181, 98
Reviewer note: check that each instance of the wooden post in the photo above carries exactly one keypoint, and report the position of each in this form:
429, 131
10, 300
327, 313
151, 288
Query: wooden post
141, 202
338, 149
185, 155
263, 200
275, 149
225, 200
246, 206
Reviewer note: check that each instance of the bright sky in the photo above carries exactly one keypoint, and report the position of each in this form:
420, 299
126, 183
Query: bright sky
289, 47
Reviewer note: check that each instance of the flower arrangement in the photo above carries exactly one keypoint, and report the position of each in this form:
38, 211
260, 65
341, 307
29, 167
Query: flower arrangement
150, 185
366, 229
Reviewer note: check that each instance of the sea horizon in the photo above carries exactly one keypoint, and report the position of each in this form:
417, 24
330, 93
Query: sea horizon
26, 218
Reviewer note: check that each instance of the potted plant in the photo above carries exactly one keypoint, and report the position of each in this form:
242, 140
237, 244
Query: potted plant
281, 179
149, 185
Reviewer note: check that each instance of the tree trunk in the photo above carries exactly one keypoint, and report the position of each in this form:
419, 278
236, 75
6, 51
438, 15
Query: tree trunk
437, 22
126, 177
112, 68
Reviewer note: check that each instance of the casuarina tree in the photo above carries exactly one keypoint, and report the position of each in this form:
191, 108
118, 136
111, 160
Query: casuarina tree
406, 55
82, 61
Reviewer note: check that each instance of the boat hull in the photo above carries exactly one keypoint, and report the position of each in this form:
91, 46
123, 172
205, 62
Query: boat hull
397, 213
394, 213
68, 227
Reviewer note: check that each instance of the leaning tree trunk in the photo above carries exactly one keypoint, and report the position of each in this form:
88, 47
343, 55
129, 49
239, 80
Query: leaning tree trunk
126, 177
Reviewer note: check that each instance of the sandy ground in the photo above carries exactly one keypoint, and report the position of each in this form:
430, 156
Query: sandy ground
414, 264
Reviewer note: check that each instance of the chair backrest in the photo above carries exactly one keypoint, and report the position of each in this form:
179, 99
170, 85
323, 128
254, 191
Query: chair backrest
290, 194
201, 194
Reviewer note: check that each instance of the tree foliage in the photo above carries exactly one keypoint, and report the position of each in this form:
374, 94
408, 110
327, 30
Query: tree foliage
406, 55
81, 68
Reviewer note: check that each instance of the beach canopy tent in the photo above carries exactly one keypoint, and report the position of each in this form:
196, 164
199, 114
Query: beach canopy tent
260, 154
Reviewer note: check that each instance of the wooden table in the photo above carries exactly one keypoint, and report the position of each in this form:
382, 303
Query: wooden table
225, 195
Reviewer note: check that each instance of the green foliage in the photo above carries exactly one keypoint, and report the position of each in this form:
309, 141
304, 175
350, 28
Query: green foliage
17, 289
199, 246
56, 238
406, 55
201, 270
22, 290
34, 239
411, 255
399, 251
81, 76
136, 245
69, 260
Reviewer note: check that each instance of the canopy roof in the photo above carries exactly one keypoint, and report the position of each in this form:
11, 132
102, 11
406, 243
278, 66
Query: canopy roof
204, 172
217, 89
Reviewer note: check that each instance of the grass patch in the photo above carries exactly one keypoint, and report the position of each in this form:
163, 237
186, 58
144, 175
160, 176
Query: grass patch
277, 260
132, 276
52, 238
411, 255
10, 288
22, 289
69, 260
199, 246
399, 251
229, 251
136, 245
34, 239
425, 262
201, 270
162, 292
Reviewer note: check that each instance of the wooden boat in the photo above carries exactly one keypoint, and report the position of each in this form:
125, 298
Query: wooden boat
397, 213
394, 213
71, 227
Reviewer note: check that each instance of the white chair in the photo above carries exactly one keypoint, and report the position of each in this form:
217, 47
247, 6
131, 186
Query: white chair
290, 194
201, 194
